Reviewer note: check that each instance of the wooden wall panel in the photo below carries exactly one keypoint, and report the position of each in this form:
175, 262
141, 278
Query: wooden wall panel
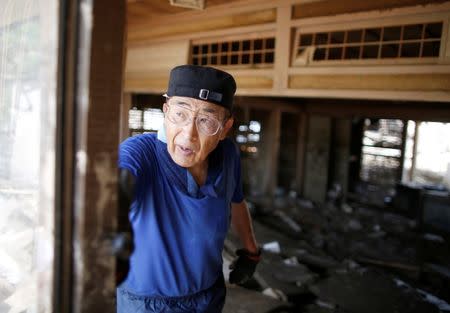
146, 83
251, 82
157, 58
393, 82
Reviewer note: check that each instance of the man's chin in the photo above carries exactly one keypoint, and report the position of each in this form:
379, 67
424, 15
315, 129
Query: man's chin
183, 162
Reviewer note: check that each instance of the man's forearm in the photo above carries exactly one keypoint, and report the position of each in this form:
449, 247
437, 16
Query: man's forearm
242, 224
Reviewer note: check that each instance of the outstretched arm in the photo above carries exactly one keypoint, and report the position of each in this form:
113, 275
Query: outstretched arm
123, 241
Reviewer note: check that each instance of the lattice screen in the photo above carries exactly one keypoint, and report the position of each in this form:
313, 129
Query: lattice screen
246, 52
387, 42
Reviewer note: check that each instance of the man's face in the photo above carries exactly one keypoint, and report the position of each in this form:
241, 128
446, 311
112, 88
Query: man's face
188, 145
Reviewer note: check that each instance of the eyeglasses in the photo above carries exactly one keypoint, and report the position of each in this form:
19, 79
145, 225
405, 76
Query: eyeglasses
181, 116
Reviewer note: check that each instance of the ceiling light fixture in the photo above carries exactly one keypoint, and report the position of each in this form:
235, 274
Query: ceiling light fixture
191, 4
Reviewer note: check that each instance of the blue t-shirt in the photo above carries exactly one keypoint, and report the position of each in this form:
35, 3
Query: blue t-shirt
179, 227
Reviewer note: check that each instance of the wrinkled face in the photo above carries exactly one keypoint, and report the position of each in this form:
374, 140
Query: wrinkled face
189, 125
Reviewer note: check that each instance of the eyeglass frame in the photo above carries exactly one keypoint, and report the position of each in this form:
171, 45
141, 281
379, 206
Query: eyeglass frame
221, 123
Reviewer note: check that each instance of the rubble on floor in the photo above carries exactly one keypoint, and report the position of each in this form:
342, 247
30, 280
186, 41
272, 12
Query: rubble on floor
323, 258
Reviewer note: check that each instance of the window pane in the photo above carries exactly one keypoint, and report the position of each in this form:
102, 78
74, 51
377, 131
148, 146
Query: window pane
225, 47
335, 54
389, 51
433, 30
431, 49
319, 54
153, 119
352, 52
270, 43
28, 59
257, 44
354, 36
268, 58
392, 33
412, 32
372, 34
246, 45
337, 37
245, 59
235, 46
321, 38
370, 52
306, 40
410, 50
257, 58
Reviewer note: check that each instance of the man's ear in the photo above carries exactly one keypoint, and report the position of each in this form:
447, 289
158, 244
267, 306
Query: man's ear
165, 107
226, 128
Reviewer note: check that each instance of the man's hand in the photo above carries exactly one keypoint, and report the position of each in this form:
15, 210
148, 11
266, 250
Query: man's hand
244, 266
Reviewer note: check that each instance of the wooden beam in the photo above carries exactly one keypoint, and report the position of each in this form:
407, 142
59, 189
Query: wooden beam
394, 82
331, 7
409, 110
141, 33
146, 82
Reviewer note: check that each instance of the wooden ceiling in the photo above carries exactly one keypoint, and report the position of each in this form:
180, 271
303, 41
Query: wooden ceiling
141, 11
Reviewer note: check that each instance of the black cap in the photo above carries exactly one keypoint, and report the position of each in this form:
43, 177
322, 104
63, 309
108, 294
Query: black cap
204, 83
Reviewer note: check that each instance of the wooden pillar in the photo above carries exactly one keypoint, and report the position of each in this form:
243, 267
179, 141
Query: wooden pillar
272, 160
124, 116
301, 145
98, 116
402, 151
414, 153
282, 47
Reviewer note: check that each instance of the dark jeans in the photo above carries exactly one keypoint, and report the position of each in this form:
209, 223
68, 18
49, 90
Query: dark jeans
210, 300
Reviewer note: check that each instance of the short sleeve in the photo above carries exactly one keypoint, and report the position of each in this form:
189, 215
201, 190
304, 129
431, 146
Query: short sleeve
238, 195
132, 155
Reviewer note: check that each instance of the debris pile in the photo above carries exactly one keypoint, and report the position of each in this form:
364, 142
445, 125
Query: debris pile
343, 258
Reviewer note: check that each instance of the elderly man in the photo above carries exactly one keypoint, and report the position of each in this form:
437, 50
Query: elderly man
186, 186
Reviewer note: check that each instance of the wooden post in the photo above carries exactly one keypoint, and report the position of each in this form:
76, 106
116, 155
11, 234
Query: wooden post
124, 116
272, 161
282, 47
414, 157
301, 146
97, 116
402, 151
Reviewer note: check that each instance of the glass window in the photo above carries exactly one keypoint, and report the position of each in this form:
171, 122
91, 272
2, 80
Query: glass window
28, 62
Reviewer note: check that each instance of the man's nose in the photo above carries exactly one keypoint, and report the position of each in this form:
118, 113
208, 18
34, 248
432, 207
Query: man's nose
190, 129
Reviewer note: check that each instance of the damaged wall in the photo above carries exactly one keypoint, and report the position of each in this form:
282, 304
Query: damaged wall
339, 162
317, 157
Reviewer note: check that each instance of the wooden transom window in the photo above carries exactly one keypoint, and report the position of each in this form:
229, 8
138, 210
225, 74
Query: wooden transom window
258, 52
388, 42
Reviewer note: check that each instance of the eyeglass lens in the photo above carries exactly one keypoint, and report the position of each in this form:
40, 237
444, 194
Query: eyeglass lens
181, 116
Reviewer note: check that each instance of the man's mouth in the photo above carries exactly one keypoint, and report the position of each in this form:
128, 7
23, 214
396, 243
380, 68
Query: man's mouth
185, 150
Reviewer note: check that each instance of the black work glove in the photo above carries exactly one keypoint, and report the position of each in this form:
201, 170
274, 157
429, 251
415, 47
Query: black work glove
244, 266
